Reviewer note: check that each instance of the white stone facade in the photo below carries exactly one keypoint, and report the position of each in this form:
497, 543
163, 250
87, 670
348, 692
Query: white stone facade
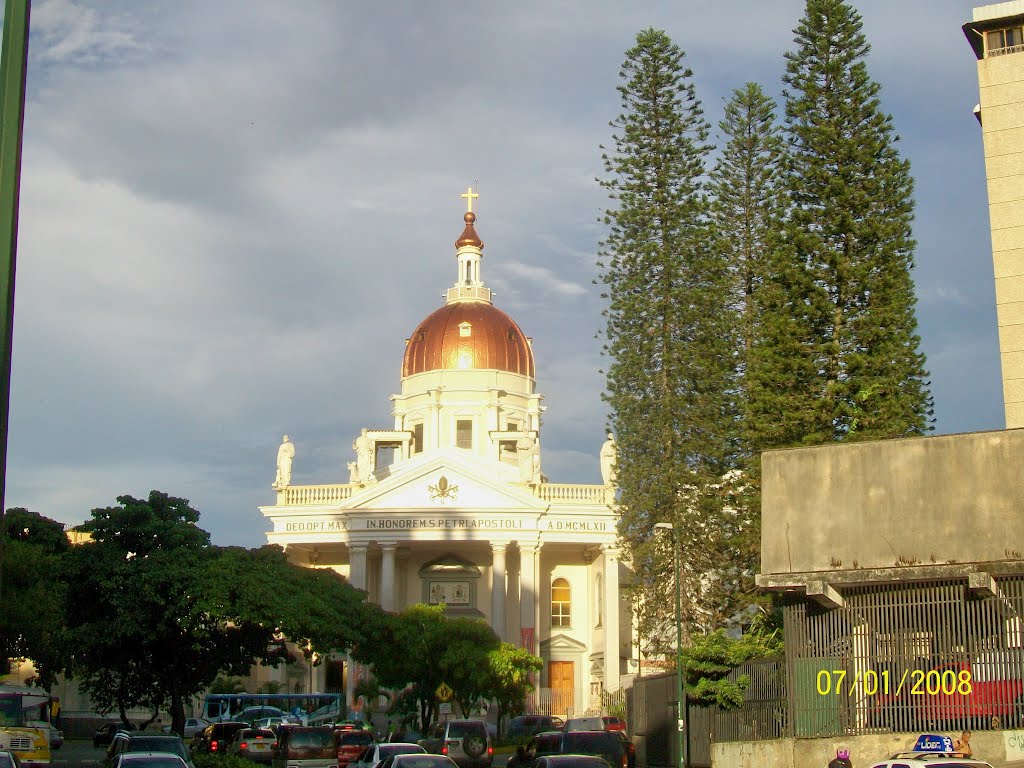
455, 507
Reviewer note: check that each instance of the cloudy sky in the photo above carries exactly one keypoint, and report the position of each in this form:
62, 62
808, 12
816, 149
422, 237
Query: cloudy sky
234, 213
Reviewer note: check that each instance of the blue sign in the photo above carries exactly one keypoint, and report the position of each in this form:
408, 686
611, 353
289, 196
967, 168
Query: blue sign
928, 742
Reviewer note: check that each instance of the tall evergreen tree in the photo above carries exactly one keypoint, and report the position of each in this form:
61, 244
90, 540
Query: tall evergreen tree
748, 209
850, 289
666, 333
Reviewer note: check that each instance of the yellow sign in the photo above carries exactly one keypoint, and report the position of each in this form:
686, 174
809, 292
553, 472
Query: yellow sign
444, 692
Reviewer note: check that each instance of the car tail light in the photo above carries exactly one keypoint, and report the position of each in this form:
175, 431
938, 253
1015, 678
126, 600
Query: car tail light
213, 745
444, 750
490, 751
244, 745
625, 759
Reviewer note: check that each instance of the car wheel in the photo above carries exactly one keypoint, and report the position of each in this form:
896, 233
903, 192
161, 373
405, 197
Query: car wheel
474, 746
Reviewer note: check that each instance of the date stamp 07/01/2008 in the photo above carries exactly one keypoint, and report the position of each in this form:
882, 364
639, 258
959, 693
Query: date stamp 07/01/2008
916, 682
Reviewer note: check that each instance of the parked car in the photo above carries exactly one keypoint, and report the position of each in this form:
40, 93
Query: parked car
193, 725
148, 760
351, 744
214, 739
605, 744
143, 741
467, 742
256, 744
629, 746
305, 747
9, 760
375, 754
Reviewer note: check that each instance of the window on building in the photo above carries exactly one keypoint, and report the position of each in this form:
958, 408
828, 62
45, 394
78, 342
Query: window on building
512, 426
464, 433
1004, 40
417, 438
561, 603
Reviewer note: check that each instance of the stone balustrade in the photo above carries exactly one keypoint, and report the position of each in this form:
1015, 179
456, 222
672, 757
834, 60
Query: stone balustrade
572, 493
553, 493
307, 495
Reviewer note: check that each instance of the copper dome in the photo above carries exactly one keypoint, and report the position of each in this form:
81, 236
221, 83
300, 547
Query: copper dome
468, 334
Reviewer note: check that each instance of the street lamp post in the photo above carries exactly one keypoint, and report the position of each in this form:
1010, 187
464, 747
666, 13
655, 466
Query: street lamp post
680, 706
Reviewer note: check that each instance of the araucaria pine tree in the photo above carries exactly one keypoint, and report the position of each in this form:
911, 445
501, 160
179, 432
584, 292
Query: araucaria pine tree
851, 297
667, 335
748, 210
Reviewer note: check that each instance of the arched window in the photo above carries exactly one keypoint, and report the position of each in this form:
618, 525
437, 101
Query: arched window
561, 603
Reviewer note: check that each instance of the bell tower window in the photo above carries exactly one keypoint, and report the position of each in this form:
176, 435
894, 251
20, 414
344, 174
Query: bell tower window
464, 433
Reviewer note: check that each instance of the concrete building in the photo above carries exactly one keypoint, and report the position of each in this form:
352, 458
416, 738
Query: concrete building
448, 503
995, 35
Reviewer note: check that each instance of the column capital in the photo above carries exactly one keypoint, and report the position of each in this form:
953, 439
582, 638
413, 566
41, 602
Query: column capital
499, 546
358, 546
388, 546
611, 550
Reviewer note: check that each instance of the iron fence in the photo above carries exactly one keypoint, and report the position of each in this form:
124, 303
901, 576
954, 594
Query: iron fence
942, 655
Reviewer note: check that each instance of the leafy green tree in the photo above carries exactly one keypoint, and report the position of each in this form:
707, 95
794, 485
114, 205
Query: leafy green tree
851, 235
710, 659
155, 613
511, 668
422, 648
667, 331
31, 606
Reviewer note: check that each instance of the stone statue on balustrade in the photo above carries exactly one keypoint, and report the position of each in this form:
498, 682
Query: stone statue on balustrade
528, 452
363, 447
609, 456
285, 454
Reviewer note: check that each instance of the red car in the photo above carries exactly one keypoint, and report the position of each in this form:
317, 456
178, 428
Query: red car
614, 723
350, 745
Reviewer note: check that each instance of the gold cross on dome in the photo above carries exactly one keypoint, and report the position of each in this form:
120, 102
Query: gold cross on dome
469, 195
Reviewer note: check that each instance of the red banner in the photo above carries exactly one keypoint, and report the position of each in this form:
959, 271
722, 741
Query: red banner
527, 637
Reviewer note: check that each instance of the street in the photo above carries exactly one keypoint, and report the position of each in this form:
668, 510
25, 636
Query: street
78, 753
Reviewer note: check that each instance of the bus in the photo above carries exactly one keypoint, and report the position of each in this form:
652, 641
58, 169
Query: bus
306, 708
24, 724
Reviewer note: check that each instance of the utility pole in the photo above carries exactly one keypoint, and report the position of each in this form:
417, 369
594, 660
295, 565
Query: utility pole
13, 60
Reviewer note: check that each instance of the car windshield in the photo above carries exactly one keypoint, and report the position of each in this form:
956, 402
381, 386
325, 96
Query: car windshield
424, 761
156, 744
461, 730
356, 737
575, 740
317, 739
6, 761
152, 761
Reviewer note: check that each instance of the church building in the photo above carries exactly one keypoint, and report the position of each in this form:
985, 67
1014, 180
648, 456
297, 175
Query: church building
449, 504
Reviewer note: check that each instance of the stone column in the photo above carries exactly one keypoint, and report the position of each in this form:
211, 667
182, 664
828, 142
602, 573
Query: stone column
357, 578
498, 589
357, 565
528, 592
387, 576
611, 617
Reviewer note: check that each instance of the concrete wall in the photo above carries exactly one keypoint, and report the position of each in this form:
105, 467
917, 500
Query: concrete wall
952, 498
864, 750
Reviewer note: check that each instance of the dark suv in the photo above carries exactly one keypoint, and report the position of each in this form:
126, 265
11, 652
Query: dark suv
215, 738
606, 744
466, 742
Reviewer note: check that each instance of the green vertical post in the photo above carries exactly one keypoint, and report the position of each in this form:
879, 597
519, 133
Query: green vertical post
13, 61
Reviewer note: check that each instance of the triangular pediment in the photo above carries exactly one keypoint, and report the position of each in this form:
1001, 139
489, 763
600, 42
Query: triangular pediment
562, 643
443, 482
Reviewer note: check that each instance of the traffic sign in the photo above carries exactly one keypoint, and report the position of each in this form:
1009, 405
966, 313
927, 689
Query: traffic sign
444, 692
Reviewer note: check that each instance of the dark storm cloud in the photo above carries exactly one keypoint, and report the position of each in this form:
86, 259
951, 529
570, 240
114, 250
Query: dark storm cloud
234, 213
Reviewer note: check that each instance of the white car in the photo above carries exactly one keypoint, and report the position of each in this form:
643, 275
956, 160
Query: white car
375, 754
931, 751
193, 725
